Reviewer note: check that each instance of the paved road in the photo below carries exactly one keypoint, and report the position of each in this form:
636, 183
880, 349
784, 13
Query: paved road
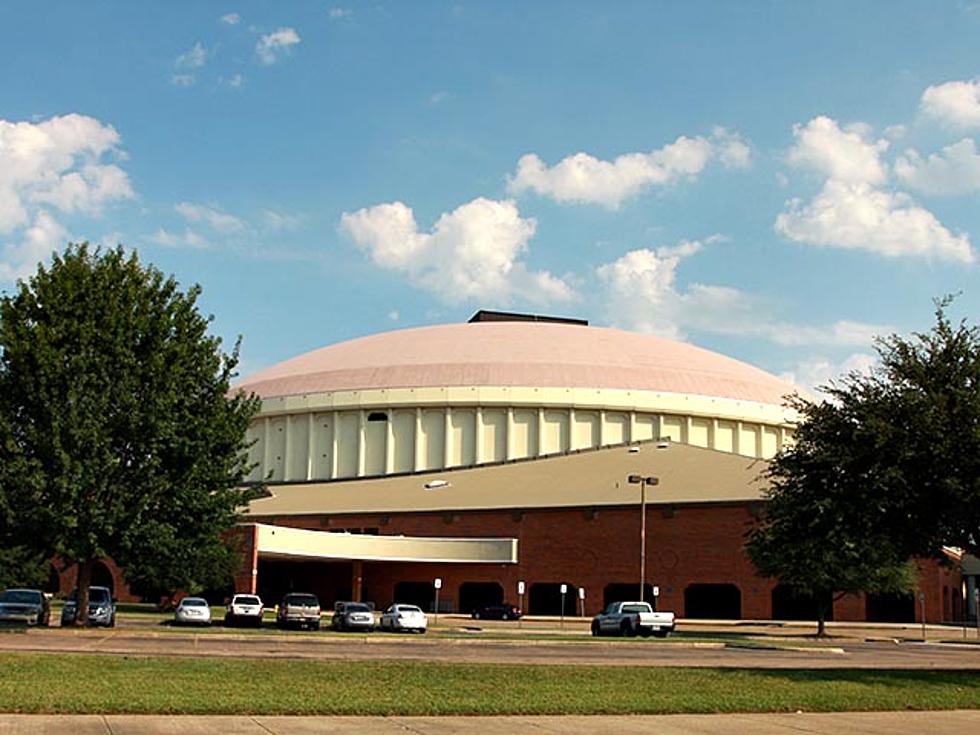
846, 653
955, 722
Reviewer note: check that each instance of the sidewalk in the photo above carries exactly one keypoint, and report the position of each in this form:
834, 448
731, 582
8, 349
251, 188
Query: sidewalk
950, 722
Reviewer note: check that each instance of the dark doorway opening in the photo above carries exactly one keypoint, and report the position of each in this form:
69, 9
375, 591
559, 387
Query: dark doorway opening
715, 601
473, 595
545, 599
788, 604
329, 581
54, 581
627, 592
102, 577
890, 608
422, 594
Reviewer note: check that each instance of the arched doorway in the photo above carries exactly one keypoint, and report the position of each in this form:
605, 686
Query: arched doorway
473, 595
102, 577
890, 608
713, 601
787, 604
422, 594
53, 585
545, 598
627, 591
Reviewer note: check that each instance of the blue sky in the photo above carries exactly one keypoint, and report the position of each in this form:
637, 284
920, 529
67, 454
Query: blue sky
775, 181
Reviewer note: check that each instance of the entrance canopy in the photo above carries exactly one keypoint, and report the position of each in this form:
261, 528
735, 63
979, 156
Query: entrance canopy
282, 542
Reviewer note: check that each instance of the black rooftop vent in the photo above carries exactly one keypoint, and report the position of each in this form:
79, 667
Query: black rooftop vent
483, 315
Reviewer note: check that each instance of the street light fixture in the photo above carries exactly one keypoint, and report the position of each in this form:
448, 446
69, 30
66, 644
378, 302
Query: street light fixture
643, 482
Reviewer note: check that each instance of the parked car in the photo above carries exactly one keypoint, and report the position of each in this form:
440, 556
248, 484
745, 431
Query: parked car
24, 606
352, 616
244, 610
101, 608
632, 618
300, 609
404, 618
193, 611
503, 611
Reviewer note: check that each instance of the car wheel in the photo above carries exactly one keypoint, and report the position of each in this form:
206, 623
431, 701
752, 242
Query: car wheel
645, 632
627, 629
596, 631
112, 622
315, 626
662, 633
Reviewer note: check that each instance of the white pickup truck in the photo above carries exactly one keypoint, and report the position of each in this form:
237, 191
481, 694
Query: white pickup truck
632, 618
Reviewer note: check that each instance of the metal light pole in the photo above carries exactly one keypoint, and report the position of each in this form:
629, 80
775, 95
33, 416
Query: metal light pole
643, 482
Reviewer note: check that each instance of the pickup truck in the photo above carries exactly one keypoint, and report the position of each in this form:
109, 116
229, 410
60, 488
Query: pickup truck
632, 618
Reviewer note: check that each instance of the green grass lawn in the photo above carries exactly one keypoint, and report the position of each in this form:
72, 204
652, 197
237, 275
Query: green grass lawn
115, 684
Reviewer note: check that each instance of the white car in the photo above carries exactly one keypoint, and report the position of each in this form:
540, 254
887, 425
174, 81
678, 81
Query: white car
404, 617
244, 610
193, 611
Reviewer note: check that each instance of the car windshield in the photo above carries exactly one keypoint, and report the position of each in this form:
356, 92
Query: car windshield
193, 602
22, 597
356, 608
640, 607
96, 595
308, 600
247, 600
408, 609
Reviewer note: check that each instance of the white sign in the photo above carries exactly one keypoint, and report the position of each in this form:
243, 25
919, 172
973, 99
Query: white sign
581, 593
656, 591
520, 587
438, 583
564, 588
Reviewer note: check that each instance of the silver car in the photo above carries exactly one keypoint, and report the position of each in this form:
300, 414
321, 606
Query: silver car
193, 611
24, 606
352, 616
404, 618
101, 608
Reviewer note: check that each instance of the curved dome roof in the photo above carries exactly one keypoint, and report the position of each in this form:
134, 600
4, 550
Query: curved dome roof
527, 354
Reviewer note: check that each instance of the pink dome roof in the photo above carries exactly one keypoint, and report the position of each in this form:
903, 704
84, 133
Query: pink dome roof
528, 354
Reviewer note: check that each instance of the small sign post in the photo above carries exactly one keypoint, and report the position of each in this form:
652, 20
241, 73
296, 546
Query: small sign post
922, 613
520, 602
656, 595
581, 601
438, 585
976, 609
564, 591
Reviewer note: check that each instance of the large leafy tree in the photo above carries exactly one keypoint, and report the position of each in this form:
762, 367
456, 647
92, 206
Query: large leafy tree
118, 435
888, 468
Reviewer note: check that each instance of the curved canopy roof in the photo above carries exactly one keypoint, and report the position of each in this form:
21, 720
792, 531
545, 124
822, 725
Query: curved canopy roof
526, 354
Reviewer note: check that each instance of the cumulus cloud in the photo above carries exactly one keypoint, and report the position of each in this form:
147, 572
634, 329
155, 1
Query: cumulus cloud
56, 165
815, 372
471, 253
271, 45
339, 13
956, 104
641, 293
853, 210
956, 170
211, 216
194, 58
585, 179
186, 239
232, 19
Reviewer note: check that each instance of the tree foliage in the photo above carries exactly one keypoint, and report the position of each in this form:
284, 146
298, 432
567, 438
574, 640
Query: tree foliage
117, 434
888, 468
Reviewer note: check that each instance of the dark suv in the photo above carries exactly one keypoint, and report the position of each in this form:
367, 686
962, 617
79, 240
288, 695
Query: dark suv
299, 609
497, 612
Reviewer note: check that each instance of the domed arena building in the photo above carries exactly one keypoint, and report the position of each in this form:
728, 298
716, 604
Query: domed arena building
514, 456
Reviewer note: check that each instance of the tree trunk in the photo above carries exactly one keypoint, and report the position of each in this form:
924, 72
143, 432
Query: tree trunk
821, 619
83, 581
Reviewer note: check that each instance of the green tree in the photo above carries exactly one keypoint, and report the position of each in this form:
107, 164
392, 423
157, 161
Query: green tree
119, 436
885, 470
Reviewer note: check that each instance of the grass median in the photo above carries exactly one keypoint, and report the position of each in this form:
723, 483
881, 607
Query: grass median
79, 683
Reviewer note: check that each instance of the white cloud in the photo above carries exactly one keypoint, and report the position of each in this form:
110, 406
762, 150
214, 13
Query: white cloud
212, 216
271, 45
956, 104
845, 155
438, 97
236, 81
815, 372
182, 80
280, 221
41, 239
339, 13
394, 316
852, 210
188, 238
232, 19
582, 178
641, 293
956, 170
471, 253
56, 165
195, 58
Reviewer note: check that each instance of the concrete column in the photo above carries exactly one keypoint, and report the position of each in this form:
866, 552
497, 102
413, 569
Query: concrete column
509, 452
758, 440
357, 580
478, 437
539, 450
447, 438
390, 443
713, 435
736, 440
602, 428
633, 427
361, 442
286, 449
335, 423
310, 445
418, 439
266, 447
571, 430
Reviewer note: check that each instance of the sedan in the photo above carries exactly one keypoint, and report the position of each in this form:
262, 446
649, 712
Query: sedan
244, 610
24, 606
101, 608
193, 611
497, 612
352, 616
404, 618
